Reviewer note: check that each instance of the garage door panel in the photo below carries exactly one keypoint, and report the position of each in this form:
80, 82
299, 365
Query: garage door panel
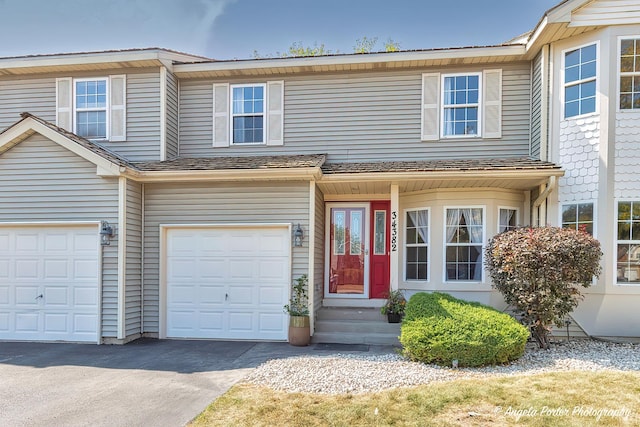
56, 296
211, 294
273, 269
56, 242
26, 242
27, 269
212, 269
273, 244
242, 295
85, 324
86, 296
27, 322
49, 283
85, 269
56, 323
270, 296
241, 269
56, 268
26, 296
249, 265
211, 322
180, 269
183, 293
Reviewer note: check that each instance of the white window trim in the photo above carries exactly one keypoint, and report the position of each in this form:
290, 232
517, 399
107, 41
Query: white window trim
619, 74
563, 85
107, 108
404, 249
614, 252
264, 114
595, 213
510, 208
442, 105
444, 243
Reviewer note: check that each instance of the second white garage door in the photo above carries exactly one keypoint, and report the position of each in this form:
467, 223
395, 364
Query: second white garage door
227, 283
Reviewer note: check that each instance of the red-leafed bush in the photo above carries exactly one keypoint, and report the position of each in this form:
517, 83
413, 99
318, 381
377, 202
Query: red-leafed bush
540, 271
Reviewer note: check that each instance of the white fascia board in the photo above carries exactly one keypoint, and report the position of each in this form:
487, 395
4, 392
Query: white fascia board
562, 12
518, 174
105, 167
306, 174
354, 59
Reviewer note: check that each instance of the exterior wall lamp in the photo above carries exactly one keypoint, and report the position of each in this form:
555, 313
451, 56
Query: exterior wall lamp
106, 232
298, 234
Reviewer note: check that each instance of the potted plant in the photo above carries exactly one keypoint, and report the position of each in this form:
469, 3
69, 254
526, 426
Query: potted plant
394, 307
298, 310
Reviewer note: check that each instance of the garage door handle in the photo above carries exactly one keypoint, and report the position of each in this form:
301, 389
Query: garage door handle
40, 296
226, 297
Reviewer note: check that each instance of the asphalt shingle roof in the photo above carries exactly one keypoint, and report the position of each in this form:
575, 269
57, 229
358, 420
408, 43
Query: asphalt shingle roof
459, 165
240, 162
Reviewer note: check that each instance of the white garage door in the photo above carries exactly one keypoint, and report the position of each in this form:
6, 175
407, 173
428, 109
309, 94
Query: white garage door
49, 283
228, 283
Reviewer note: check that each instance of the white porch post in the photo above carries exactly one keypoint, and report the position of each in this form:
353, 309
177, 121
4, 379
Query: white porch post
395, 237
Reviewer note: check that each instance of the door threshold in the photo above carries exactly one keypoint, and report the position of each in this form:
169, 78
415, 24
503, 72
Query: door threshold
352, 302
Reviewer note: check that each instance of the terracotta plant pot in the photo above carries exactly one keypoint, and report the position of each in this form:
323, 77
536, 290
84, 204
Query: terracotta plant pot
299, 331
394, 317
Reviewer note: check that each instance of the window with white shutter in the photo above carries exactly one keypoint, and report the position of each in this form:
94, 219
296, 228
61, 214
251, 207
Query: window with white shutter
461, 105
93, 108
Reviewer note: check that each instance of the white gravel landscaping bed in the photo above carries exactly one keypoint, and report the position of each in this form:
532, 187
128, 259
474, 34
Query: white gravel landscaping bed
361, 373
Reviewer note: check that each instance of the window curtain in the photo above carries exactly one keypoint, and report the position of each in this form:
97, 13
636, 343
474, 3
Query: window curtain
421, 221
453, 222
449, 100
473, 218
505, 218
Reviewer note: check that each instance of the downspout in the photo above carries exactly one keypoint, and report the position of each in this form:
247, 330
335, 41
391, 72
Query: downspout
551, 185
142, 223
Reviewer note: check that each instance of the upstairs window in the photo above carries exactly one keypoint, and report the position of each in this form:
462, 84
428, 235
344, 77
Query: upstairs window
93, 108
630, 74
248, 114
580, 81
460, 106
90, 97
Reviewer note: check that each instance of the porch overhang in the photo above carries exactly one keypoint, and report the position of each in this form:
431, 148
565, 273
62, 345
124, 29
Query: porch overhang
377, 178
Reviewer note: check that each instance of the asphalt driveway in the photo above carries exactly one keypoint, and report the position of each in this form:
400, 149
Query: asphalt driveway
144, 383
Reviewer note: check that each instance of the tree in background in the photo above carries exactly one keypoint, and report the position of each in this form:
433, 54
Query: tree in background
540, 271
363, 45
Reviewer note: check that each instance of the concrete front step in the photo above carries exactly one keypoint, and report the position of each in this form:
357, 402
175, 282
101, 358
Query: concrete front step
350, 313
358, 326
354, 325
355, 338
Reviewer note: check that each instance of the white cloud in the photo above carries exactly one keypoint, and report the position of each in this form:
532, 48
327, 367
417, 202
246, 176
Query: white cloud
46, 26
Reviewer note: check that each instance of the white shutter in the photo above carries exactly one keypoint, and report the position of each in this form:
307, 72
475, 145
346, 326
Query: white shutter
275, 113
221, 115
118, 109
492, 104
64, 103
430, 117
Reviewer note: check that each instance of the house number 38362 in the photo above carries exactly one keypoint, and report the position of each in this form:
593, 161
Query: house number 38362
394, 231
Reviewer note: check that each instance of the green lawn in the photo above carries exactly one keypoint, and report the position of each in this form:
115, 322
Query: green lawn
554, 399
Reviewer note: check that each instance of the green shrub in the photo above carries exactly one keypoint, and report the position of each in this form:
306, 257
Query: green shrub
439, 328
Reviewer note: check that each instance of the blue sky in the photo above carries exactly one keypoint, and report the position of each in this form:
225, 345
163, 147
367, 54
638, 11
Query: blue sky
227, 29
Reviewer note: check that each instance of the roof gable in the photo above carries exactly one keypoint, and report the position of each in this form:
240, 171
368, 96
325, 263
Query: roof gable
606, 12
107, 163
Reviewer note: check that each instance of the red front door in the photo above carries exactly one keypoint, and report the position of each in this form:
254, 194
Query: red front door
347, 251
379, 260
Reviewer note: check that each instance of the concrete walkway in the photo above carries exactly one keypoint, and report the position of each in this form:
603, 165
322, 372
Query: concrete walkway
144, 383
